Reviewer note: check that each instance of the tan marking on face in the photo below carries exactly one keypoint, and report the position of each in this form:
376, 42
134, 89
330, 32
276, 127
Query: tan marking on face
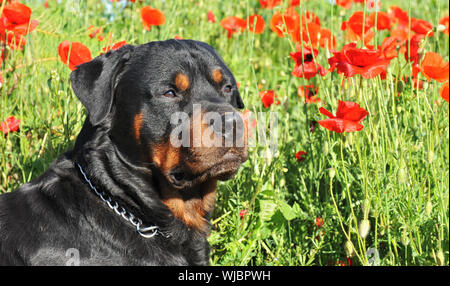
217, 76
165, 156
137, 125
182, 82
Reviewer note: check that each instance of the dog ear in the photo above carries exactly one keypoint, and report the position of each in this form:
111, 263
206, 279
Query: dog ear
94, 82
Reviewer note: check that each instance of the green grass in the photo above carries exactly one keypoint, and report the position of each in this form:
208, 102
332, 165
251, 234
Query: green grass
394, 173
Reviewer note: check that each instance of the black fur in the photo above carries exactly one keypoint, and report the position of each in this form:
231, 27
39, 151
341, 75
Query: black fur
42, 220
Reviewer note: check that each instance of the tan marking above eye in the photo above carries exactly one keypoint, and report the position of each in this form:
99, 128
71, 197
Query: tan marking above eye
182, 82
137, 122
217, 76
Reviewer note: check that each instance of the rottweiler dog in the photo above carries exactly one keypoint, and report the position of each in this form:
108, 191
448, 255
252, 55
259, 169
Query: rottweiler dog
133, 191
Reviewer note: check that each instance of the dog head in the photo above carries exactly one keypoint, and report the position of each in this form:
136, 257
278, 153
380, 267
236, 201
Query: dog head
172, 106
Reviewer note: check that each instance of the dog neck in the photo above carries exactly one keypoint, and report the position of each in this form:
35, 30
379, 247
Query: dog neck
193, 205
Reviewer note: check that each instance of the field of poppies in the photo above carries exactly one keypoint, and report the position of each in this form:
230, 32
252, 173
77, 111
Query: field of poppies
359, 88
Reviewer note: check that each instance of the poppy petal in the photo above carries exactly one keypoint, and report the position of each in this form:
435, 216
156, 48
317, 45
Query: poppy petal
340, 125
17, 13
350, 111
256, 24
79, 54
444, 91
326, 112
433, 66
151, 17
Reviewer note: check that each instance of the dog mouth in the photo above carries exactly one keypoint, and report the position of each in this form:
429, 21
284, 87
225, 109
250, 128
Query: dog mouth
181, 177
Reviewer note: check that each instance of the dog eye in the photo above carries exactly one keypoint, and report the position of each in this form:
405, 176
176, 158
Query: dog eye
170, 94
227, 89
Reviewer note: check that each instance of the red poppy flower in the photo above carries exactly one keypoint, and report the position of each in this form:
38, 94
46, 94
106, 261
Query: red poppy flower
151, 17
282, 23
401, 16
269, 4
79, 54
347, 119
421, 27
211, 17
116, 46
304, 63
413, 47
268, 98
309, 92
351, 36
319, 221
390, 46
346, 4
233, 24
444, 91
444, 22
384, 20
434, 67
312, 18
24, 29
304, 28
300, 156
351, 60
309, 33
11, 124
15, 23
296, 2
16, 41
355, 23
256, 24
94, 31
242, 214
17, 13
326, 40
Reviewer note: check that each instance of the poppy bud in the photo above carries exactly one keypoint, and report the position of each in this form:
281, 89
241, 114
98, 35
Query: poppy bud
364, 227
349, 249
365, 207
402, 173
325, 148
441, 28
312, 126
332, 173
428, 208
430, 156
440, 258
400, 86
405, 238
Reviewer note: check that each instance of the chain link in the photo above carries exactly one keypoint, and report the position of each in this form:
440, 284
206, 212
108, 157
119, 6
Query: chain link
144, 231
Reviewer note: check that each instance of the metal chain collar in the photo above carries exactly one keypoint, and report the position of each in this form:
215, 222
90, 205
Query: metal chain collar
144, 231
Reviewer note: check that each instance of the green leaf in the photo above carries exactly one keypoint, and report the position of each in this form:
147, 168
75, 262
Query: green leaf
287, 211
267, 209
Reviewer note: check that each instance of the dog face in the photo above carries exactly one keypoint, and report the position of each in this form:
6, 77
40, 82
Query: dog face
171, 106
